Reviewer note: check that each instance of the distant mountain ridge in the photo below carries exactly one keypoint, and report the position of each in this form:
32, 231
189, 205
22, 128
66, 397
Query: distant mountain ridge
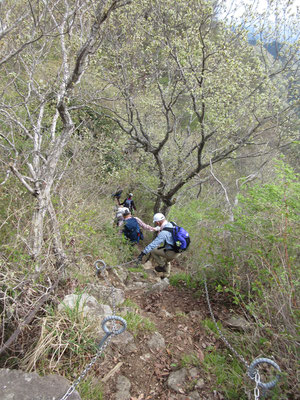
272, 47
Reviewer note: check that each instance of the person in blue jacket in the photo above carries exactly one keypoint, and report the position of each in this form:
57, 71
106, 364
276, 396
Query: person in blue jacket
162, 247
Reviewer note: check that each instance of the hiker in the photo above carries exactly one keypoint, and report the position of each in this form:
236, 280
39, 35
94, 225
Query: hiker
129, 203
165, 254
119, 215
132, 227
117, 196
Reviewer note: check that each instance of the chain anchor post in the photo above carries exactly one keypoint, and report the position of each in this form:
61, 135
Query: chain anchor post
252, 372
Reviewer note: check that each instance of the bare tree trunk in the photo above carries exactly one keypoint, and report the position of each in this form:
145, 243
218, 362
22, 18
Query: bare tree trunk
38, 226
58, 250
45, 143
44, 205
163, 203
157, 205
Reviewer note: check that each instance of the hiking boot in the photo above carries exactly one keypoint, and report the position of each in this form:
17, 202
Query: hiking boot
160, 269
167, 271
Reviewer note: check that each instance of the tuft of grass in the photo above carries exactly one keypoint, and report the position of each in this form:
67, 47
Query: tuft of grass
210, 326
89, 390
180, 314
139, 269
136, 323
184, 280
188, 360
145, 275
229, 373
130, 303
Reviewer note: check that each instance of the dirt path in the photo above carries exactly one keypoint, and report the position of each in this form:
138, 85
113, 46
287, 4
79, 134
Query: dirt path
176, 314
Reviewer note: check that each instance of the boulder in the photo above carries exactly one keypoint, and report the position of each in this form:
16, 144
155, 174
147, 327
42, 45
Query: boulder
159, 286
124, 343
82, 302
195, 396
148, 265
19, 385
123, 388
137, 285
177, 380
104, 294
237, 322
87, 305
156, 342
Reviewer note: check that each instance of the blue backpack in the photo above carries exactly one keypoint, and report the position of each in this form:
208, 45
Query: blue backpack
181, 238
132, 230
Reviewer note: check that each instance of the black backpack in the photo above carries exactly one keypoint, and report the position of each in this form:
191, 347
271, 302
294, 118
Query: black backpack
132, 230
128, 203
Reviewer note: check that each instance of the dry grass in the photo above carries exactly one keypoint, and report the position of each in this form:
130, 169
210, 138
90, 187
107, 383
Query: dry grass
66, 339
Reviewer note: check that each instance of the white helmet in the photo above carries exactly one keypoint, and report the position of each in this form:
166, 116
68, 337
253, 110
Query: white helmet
130, 194
158, 217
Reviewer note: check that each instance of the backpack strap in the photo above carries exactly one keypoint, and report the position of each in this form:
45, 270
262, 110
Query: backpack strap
168, 229
171, 230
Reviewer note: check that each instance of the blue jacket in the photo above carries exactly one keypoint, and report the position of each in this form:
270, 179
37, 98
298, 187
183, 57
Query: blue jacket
164, 238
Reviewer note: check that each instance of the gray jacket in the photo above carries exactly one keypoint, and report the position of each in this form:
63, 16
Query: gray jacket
164, 238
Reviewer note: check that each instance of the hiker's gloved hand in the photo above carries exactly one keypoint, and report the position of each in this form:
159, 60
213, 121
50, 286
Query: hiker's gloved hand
140, 257
157, 229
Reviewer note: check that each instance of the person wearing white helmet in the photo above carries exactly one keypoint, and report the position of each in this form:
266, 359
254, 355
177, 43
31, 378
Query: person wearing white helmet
120, 215
161, 248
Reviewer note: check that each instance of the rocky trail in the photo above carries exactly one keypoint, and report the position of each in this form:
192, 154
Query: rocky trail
164, 362
159, 356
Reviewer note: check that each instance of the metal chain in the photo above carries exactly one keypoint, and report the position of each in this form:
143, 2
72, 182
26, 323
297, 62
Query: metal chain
108, 334
87, 368
257, 383
101, 270
241, 358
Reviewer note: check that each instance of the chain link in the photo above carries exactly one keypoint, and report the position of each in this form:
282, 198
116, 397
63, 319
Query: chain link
107, 338
101, 270
240, 357
257, 383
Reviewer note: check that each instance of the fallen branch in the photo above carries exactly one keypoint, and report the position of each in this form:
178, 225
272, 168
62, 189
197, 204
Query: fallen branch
112, 372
